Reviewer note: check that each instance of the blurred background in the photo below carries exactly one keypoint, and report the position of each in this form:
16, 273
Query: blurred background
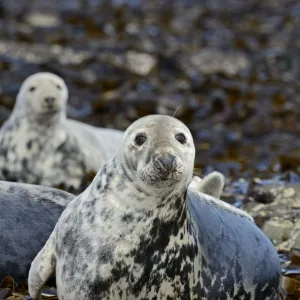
230, 70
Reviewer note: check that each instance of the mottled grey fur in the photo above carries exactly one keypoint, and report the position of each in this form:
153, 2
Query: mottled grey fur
138, 232
39, 145
28, 215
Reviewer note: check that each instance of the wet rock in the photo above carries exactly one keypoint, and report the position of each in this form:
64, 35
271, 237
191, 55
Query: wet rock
140, 63
280, 218
43, 20
294, 241
278, 230
210, 61
39, 53
289, 192
261, 195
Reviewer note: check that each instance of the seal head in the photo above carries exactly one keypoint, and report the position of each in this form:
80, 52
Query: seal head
158, 152
41, 95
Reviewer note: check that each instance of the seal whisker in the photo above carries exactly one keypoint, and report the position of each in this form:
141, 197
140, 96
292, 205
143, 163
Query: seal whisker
176, 110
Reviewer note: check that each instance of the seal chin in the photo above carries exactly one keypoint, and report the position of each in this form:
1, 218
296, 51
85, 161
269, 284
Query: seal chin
163, 171
49, 111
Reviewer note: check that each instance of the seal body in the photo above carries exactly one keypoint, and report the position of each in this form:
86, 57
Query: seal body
238, 260
39, 145
139, 232
28, 215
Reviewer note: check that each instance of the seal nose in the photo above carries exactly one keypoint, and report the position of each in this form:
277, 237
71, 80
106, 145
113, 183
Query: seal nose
49, 100
165, 162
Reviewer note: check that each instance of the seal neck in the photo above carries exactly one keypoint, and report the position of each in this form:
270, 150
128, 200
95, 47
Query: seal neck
41, 120
135, 197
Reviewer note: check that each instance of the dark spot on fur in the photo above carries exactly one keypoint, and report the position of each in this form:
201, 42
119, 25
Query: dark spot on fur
24, 163
29, 144
5, 172
127, 218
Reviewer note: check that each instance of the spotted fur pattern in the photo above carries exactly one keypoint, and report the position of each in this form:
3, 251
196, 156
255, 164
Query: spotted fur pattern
45, 154
39, 145
131, 237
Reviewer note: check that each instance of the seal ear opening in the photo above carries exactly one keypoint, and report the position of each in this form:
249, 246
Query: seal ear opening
212, 184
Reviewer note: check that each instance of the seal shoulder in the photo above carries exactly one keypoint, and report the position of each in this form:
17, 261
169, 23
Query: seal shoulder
12, 191
98, 144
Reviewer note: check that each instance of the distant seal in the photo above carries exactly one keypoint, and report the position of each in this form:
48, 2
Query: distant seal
28, 214
39, 145
138, 232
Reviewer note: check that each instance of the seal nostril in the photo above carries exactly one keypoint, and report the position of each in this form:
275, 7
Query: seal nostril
49, 100
159, 165
167, 161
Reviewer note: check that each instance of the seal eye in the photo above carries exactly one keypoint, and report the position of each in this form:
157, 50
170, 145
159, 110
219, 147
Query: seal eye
32, 89
140, 139
58, 86
180, 137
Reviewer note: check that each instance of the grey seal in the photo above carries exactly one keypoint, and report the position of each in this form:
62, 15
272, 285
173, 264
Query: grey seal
139, 232
39, 145
28, 214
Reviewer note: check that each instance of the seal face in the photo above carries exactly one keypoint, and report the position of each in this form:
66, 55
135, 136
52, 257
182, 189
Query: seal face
39, 145
42, 94
138, 232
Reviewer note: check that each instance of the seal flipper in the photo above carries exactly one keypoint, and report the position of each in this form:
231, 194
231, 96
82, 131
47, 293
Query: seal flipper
42, 268
212, 184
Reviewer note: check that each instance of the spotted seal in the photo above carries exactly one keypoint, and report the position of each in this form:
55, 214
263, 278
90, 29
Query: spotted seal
139, 232
39, 145
28, 214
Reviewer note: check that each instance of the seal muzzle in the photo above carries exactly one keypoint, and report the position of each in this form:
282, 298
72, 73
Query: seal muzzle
164, 163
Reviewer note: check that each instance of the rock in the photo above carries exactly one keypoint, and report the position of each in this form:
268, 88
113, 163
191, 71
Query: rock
289, 192
140, 63
280, 218
39, 53
294, 241
278, 230
210, 60
261, 195
40, 19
